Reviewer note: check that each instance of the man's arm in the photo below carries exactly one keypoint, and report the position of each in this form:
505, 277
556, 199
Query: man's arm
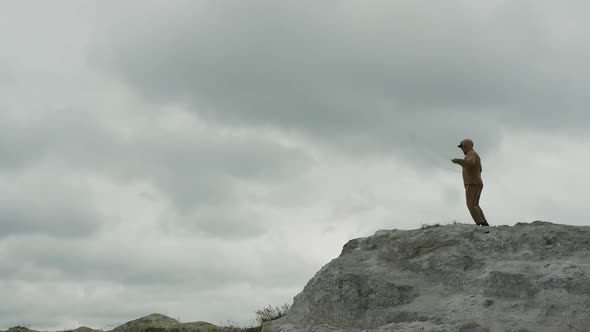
467, 162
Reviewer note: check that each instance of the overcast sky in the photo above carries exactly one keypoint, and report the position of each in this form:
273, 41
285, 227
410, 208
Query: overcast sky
203, 159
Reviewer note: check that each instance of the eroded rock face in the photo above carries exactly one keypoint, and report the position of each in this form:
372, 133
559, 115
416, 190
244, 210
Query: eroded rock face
527, 277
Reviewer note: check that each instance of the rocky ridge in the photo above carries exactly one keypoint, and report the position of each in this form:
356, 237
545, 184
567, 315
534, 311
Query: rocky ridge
528, 277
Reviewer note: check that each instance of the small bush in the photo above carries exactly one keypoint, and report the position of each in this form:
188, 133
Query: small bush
270, 313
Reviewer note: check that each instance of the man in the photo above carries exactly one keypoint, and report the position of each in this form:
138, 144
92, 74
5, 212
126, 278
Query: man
471, 165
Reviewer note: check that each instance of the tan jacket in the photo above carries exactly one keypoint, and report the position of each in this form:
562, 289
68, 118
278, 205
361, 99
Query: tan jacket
471, 165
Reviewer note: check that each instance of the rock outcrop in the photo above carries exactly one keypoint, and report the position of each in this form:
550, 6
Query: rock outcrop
528, 277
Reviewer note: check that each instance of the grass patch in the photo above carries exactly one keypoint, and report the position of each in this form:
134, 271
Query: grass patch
438, 224
263, 315
425, 226
268, 314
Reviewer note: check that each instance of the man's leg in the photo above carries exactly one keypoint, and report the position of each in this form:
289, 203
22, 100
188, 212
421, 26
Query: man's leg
483, 217
471, 194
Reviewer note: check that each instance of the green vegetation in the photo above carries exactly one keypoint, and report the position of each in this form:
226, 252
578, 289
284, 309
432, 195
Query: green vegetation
270, 313
262, 316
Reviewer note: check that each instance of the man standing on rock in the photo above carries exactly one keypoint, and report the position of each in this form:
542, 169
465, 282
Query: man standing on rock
471, 165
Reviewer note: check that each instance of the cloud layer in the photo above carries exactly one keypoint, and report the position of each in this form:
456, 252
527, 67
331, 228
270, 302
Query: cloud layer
362, 77
204, 159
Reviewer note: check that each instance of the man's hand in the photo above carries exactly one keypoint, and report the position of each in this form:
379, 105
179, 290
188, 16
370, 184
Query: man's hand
456, 161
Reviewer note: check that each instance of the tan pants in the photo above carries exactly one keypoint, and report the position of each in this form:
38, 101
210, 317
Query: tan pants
472, 194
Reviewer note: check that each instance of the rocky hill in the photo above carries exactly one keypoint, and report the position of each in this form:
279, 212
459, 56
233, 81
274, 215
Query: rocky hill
528, 277
161, 323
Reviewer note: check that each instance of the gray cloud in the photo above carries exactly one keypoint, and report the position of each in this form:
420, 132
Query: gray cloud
6, 74
198, 169
218, 221
192, 167
203, 264
75, 261
40, 204
360, 76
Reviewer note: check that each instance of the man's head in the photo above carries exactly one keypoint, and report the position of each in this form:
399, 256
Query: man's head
466, 145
